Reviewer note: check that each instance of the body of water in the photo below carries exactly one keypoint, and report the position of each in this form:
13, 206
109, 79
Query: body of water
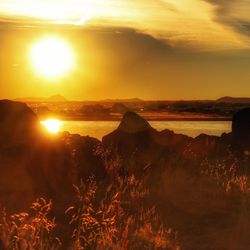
98, 129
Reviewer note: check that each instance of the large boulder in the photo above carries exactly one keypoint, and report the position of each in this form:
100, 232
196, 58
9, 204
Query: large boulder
34, 164
18, 124
31, 164
133, 131
132, 143
241, 131
133, 123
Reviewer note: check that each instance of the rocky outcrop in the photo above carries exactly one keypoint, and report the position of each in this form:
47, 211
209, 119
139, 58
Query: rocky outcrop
133, 142
241, 131
140, 146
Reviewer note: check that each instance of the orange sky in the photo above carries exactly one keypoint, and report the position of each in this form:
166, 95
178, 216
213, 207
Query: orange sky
183, 49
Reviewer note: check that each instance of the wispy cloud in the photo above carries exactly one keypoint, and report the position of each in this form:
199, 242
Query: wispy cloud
234, 13
204, 24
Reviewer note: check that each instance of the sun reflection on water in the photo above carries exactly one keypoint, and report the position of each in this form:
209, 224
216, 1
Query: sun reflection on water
52, 125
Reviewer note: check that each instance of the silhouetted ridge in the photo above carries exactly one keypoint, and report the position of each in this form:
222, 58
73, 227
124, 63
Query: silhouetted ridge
57, 98
133, 123
54, 98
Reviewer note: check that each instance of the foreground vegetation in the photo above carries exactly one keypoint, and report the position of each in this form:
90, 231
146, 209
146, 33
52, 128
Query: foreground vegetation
120, 216
137, 189
118, 220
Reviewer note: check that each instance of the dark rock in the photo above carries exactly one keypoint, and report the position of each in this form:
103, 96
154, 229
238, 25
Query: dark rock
86, 158
170, 139
138, 146
132, 123
132, 143
203, 145
31, 164
34, 164
18, 124
2, 247
241, 131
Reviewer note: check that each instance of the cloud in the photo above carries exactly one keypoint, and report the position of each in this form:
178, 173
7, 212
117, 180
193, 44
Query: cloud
183, 23
234, 13
115, 62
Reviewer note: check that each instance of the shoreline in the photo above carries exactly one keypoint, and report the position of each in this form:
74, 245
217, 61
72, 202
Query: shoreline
100, 119
146, 116
160, 119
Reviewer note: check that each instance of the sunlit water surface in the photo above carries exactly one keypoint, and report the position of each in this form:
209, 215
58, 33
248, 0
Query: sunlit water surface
98, 129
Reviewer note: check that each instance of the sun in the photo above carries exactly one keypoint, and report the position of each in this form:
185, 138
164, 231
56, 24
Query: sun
52, 57
52, 125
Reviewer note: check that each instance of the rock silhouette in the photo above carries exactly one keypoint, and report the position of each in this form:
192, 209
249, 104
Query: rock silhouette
18, 124
34, 164
135, 144
140, 145
132, 123
39, 165
241, 131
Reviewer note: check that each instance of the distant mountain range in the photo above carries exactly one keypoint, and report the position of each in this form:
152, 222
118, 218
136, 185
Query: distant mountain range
123, 100
229, 99
60, 98
54, 98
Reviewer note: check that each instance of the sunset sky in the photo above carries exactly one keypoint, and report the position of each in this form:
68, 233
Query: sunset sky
151, 49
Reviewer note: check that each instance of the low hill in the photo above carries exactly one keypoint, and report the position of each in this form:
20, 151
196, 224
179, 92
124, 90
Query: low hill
54, 98
123, 100
229, 99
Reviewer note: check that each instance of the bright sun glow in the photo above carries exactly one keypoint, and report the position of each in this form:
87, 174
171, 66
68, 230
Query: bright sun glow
52, 125
52, 57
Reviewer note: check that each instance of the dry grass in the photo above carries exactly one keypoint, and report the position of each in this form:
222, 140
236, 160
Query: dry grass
118, 221
114, 219
228, 176
117, 215
29, 230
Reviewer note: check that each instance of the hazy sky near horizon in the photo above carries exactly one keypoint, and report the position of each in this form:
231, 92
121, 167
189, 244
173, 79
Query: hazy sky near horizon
152, 49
